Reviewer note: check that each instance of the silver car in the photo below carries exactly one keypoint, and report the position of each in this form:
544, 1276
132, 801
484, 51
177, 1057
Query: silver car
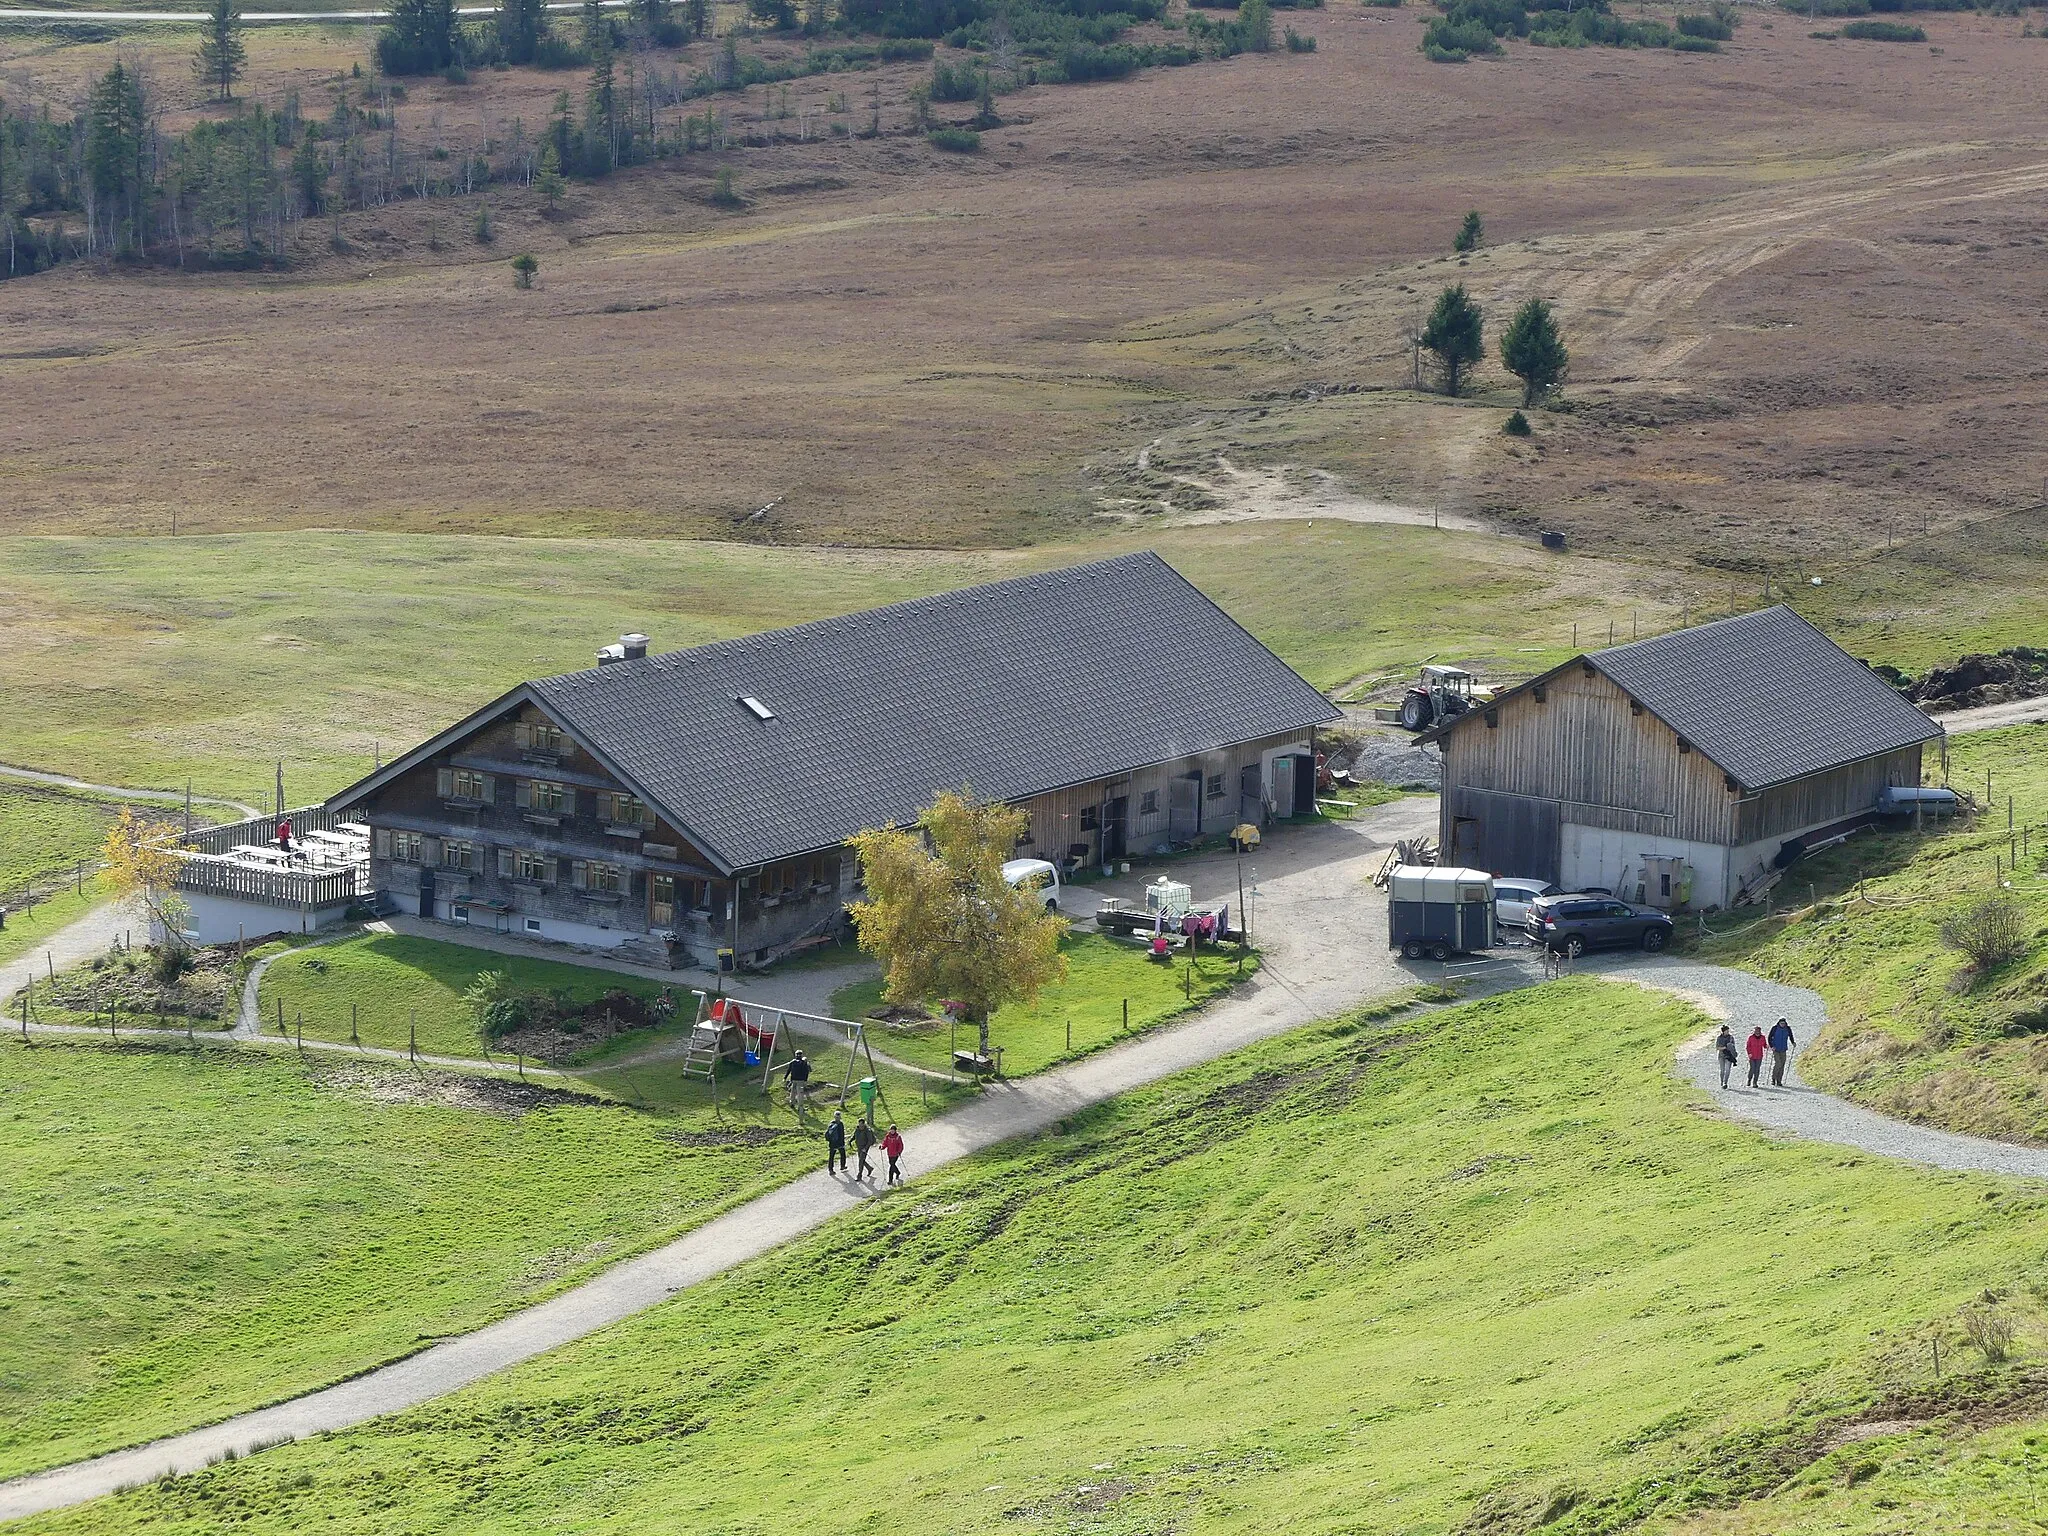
1511, 898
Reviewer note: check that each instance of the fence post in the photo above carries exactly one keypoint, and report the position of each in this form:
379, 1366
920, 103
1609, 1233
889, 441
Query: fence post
412, 1045
353, 1037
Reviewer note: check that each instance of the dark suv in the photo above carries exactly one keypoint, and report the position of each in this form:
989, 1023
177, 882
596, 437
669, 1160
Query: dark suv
1575, 922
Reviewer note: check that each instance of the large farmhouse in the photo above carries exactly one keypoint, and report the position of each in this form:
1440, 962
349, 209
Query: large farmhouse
678, 805
1684, 768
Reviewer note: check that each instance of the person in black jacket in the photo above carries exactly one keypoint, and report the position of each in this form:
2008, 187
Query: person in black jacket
835, 1145
1724, 1047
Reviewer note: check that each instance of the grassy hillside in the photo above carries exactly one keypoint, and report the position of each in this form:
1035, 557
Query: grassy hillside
1912, 1029
184, 1235
1414, 1275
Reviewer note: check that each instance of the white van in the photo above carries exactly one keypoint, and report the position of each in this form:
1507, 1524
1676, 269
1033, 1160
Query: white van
1035, 875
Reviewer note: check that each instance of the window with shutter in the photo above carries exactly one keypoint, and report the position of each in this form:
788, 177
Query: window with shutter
444, 782
508, 862
381, 840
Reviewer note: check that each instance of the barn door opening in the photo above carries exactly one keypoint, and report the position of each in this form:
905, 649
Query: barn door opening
1251, 806
1304, 785
1116, 816
1184, 808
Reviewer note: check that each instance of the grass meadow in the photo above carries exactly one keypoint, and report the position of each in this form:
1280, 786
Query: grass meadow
186, 1234
1068, 1018
155, 660
1393, 1274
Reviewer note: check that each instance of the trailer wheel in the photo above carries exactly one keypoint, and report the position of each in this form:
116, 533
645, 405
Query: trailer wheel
1439, 951
1412, 950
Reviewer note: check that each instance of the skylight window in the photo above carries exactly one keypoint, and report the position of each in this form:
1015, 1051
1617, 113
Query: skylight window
755, 707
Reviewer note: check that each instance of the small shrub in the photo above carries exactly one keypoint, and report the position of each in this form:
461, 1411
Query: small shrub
1453, 42
455, 74
1684, 44
1516, 425
1382, 5
1469, 234
722, 190
955, 82
1296, 43
1990, 932
1989, 1331
956, 141
482, 228
1705, 26
167, 962
523, 268
1885, 32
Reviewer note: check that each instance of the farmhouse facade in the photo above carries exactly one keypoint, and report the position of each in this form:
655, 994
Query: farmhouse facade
678, 806
1681, 770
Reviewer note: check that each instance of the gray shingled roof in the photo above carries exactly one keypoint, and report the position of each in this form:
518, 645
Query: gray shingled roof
1013, 688
1766, 696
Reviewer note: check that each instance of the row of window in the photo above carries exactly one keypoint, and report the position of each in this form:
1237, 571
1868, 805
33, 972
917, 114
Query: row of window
545, 796
539, 736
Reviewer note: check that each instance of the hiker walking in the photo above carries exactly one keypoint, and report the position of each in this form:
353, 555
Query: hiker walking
864, 1144
1781, 1042
1754, 1048
893, 1145
1724, 1047
835, 1144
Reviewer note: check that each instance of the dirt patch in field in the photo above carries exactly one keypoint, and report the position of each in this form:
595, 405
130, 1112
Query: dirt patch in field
393, 1086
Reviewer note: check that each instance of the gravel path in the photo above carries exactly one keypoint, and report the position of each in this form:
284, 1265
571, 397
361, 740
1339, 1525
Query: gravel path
64, 781
1799, 1108
1989, 717
93, 934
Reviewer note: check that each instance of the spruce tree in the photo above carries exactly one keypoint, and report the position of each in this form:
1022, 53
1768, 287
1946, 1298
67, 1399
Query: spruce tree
221, 56
1455, 334
1533, 351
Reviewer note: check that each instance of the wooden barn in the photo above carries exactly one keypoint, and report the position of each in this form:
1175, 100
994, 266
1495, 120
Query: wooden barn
1679, 771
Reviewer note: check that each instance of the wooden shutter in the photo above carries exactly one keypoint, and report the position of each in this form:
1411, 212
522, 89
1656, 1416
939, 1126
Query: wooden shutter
579, 873
508, 862
549, 873
430, 850
522, 735
444, 782
568, 800
522, 789
380, 841
490, 784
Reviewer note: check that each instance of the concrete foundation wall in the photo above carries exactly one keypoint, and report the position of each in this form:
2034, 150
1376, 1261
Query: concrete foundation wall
223, 919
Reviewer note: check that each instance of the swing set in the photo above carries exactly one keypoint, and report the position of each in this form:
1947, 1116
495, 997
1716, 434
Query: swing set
746, 1035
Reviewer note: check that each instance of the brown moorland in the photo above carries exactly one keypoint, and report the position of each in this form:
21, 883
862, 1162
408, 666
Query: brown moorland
1800, 279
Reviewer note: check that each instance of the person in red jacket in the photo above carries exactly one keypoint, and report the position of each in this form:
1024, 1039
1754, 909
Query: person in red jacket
1755, 1047
892, 1146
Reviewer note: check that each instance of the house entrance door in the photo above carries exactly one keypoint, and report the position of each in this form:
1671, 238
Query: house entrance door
1251, 804
1116, 817
1184, 808
427, 891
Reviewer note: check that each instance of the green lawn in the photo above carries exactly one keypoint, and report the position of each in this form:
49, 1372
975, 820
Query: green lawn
1908, 1031
45, 834
1431, 1273
391, 980
187, 1234
1103, 975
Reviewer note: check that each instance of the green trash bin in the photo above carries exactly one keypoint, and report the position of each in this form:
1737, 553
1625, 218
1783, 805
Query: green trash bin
868, 1089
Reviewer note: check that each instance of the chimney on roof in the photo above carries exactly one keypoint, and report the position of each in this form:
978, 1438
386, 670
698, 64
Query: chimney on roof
629, 648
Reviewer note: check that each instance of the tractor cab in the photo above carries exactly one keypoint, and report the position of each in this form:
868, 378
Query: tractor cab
1442, 693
